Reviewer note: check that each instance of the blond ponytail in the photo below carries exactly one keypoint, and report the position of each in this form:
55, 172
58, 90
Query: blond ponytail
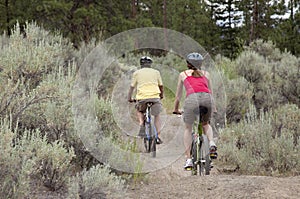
197, 73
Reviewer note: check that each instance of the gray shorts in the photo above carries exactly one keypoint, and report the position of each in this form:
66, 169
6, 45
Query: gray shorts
191, 107
156, 108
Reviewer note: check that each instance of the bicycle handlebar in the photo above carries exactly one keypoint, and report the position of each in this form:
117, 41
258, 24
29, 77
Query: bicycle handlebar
177, 113
132, 100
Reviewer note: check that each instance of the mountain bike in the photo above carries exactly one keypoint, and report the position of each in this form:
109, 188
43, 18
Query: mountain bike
199, 149
150, 131
200, 153
151, 134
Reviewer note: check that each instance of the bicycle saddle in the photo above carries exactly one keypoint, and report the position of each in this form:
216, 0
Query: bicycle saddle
149, 103
201, 110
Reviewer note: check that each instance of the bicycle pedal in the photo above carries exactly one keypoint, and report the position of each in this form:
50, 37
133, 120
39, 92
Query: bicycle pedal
188, 168
213, 155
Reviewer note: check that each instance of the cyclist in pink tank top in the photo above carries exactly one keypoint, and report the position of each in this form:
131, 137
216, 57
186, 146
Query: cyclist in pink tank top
198, 93
195, 84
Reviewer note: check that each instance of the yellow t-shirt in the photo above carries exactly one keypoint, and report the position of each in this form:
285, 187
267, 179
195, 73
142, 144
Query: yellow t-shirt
146, 81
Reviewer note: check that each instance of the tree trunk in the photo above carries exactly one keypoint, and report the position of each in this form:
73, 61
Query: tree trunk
133, 16
7, 17
254, 22
165, 24
133, 9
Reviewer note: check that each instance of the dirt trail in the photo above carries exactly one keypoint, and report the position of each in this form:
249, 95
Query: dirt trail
173, 182
218, 186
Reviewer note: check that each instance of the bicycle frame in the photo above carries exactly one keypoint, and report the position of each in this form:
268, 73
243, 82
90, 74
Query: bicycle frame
201, 160
150, 139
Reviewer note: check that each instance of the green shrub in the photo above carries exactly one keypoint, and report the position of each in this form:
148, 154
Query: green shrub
14, 172
53, 115
31, 57
97, 182
39, 144
264, 85
286, 119
267, 49
274, 75
252, 66
52, 160
106, 118
29, 159
239, 95
254, 146
227, 66
24, 63
288, 70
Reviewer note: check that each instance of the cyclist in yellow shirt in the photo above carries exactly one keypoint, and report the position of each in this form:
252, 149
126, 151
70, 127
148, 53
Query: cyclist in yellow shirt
149, 86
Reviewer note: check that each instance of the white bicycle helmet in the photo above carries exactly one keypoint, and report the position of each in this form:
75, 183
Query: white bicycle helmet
145, 61
195, 59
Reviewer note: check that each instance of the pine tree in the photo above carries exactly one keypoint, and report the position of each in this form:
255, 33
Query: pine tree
228, 17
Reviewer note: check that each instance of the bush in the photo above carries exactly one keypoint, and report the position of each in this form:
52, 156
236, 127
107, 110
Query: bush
254, 146
252, 66
30, 57
29, 159
274, 75
286, 119
97, 182
39, 141
266, 49
227, 66
239, 94
288, 70
24, 63
14, 172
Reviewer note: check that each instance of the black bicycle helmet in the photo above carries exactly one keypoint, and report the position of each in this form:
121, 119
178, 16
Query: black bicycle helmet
195, 59
145, 61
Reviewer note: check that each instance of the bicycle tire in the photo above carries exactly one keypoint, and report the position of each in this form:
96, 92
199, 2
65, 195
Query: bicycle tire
153, 146
194, 156
202, 160
150, 142
204, 167
207, 165
205, 159
147, 139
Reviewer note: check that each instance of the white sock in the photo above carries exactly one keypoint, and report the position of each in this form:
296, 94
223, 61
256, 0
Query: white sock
212, 143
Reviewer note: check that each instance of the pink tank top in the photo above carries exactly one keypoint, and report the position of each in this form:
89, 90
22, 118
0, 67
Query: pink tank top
195, 84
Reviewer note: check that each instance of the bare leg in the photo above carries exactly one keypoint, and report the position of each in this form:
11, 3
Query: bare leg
140, 116
188, 140
209, 133
157, 124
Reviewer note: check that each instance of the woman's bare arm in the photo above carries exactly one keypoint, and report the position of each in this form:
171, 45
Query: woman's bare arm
178, 94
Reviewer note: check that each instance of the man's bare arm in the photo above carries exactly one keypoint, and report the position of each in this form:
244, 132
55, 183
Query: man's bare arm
161, 88
130, 94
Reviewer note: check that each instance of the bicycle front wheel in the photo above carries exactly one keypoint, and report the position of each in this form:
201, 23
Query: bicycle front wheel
153, 146
205, 159
150, 141
147, 139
